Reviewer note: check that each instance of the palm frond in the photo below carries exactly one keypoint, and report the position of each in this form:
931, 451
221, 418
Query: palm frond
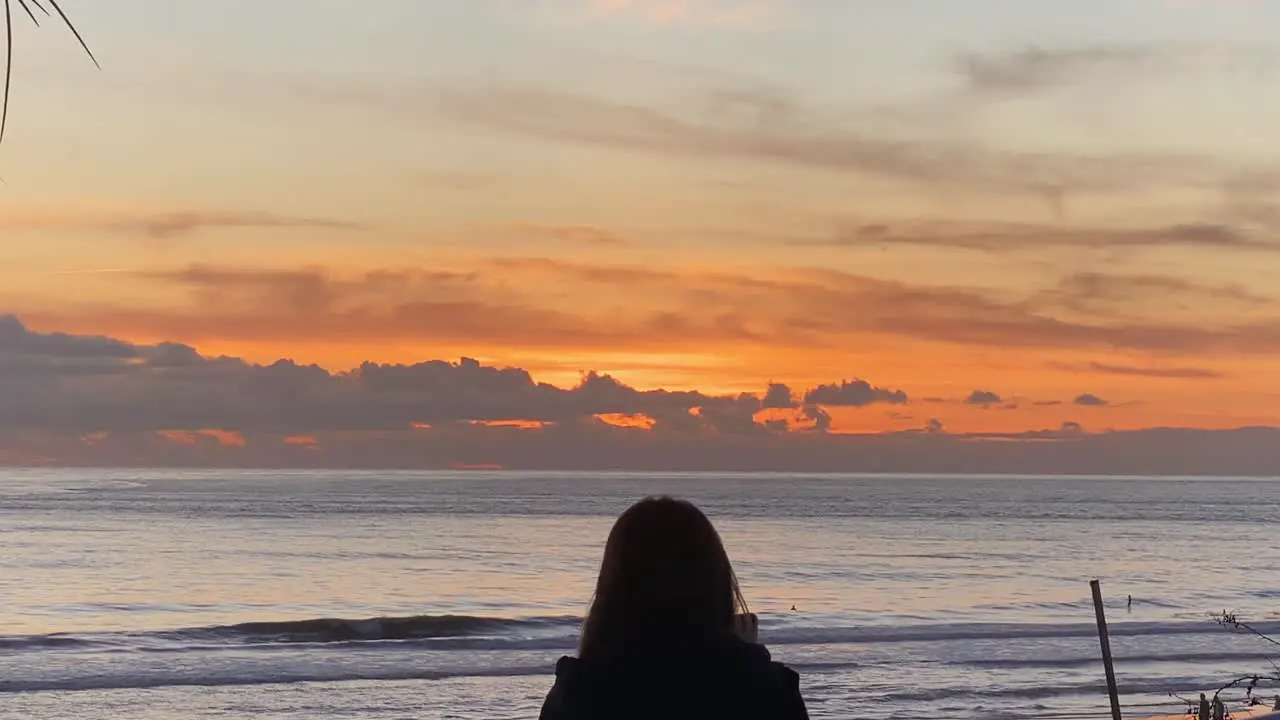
27, 6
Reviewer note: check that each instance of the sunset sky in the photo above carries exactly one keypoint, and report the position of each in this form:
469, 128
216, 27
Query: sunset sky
1002, 215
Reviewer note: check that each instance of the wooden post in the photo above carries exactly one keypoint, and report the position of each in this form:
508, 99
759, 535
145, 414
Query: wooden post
1106, 649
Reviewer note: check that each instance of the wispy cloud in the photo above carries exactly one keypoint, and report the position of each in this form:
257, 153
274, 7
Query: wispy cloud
1173, 373
769, 126
1005, 237
1119, 288
1033, 69
174, 224
554, 114
166, 224
1126, 295
572, 234
544, 303
93, 271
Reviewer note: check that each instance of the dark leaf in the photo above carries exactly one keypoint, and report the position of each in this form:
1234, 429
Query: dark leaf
26, 5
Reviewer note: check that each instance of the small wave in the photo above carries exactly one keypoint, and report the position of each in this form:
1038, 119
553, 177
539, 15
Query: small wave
44, 642
200, 675
989, 631
1045, 691
324, 630
106, 485
1070, 662
315, 630
446, 632
178, 679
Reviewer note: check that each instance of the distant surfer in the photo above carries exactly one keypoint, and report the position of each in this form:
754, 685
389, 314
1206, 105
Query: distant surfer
1204, 708
1130, 606
793, 608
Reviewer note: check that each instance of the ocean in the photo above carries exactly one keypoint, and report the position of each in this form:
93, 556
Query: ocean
177, 594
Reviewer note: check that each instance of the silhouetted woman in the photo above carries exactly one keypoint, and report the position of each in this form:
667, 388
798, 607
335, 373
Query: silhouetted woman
663, 638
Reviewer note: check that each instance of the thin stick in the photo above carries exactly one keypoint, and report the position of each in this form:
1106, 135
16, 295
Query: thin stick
1105, 642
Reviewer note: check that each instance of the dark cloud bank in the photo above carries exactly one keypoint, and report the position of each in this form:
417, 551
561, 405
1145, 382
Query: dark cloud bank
80, 400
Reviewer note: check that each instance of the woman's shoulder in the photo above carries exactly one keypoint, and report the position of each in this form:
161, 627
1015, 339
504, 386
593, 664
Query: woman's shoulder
747, 673
781, 674
566, 665
732, 658
758, 655
790, 676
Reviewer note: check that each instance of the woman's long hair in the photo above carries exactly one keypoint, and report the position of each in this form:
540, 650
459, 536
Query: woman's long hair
665, 579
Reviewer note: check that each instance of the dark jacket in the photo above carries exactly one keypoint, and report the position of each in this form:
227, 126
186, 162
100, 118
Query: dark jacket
732, 680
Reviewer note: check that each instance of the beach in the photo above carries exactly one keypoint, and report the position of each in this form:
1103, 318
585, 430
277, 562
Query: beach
162, 595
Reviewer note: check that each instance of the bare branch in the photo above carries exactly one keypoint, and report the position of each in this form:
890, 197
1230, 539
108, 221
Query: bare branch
1231, 620
1250, 682
1253, 681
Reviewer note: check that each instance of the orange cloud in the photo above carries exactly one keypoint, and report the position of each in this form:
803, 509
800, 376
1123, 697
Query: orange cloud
516, 424
627, 420
478, 467
224, 438
723, 328
551, 304
794, 419
180, 437
228, 438
99, 400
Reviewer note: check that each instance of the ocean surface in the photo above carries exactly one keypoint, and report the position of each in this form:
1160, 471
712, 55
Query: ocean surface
161, 595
